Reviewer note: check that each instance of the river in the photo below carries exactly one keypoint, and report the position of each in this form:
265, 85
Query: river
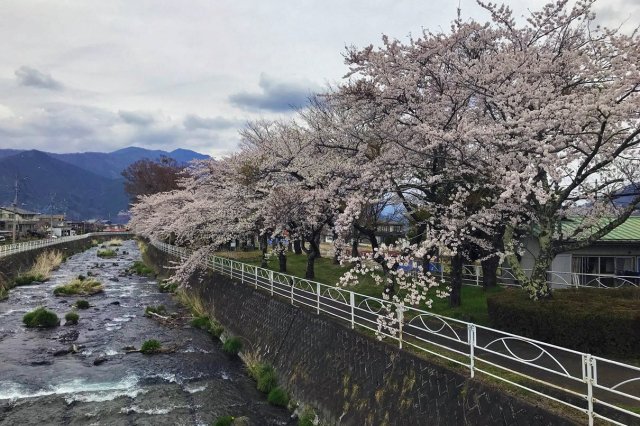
40, 385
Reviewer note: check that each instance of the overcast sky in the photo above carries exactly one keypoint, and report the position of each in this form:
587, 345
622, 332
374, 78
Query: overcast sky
85, 75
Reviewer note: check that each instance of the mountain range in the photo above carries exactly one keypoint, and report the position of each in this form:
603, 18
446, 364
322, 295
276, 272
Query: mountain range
83, 185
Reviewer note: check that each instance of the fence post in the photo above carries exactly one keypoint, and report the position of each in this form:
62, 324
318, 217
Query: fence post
293, 284
231, 268
256, 277
271, 281
471, 338
318, 298
588, 364
477, 268
242, 273
400, 312
352, 302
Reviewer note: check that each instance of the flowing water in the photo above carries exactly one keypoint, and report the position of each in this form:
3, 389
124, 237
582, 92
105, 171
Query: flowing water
41, 383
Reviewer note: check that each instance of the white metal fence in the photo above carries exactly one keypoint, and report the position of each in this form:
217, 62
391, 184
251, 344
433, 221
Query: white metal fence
8, 249
472, 275
597, 387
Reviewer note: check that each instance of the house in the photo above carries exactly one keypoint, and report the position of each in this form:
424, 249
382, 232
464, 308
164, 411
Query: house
612, 261
387, 232
25, 221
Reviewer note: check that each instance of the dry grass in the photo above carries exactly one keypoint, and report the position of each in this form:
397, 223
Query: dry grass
46, 263
80, 287
193, 302
116, 242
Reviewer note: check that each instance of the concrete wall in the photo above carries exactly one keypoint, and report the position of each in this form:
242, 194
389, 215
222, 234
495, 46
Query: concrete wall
351, 378
11, 266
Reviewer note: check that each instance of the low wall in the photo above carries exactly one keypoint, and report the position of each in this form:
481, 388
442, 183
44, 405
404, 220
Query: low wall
351, 378
12, 265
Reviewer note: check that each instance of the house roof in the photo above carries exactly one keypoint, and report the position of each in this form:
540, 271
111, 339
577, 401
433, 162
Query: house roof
627, 231
18, 210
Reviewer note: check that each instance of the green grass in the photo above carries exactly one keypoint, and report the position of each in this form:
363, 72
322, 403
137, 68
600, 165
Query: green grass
266, 378
151, 346
71, 318
232, 346
84, 287
28, 278
82, 304
40, 318
278, 397
224, 421
208, 324
474, 299
158, 310
106, 253
140, 268
168, 287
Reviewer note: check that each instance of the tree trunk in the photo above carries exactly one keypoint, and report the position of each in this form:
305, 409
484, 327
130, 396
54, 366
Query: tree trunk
312, 255
354, 245
490, 272
536, 284
455, 298
282, 257
263, 249
336, 252
297, 249
316, 240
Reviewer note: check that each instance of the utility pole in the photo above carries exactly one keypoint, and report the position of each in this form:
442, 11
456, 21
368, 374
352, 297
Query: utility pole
15, 209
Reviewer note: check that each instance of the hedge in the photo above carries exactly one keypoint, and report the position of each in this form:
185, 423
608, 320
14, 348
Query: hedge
603, 322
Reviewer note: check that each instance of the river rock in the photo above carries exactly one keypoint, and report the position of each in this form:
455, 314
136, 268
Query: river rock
100, 360
115, 303
114, 279
61, 352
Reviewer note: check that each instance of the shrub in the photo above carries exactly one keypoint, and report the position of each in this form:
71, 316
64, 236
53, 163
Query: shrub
278, 397
232, 346
224, 421
598, 321
307, 417
41, 318
106, 253
168, 287
116, 242
140, 268
82, 304
201, 322
85, 287
209, 324
28, 278
151, 346
158, 310
71, 318
4, 292
266, 378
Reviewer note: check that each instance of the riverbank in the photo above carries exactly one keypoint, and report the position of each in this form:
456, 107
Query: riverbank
42, 380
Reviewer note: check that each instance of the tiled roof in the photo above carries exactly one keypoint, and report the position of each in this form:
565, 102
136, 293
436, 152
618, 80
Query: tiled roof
18, 210
627, 231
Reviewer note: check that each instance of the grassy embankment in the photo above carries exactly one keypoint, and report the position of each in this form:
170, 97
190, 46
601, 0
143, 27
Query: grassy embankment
474, 299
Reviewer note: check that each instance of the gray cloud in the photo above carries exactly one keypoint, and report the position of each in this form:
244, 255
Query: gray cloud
136, 118
276, 96
28, 76
194, 122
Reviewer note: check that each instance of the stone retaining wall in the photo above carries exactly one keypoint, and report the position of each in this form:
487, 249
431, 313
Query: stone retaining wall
351, 378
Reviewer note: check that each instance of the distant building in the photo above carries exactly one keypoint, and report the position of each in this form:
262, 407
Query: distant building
602, 263
25, 221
